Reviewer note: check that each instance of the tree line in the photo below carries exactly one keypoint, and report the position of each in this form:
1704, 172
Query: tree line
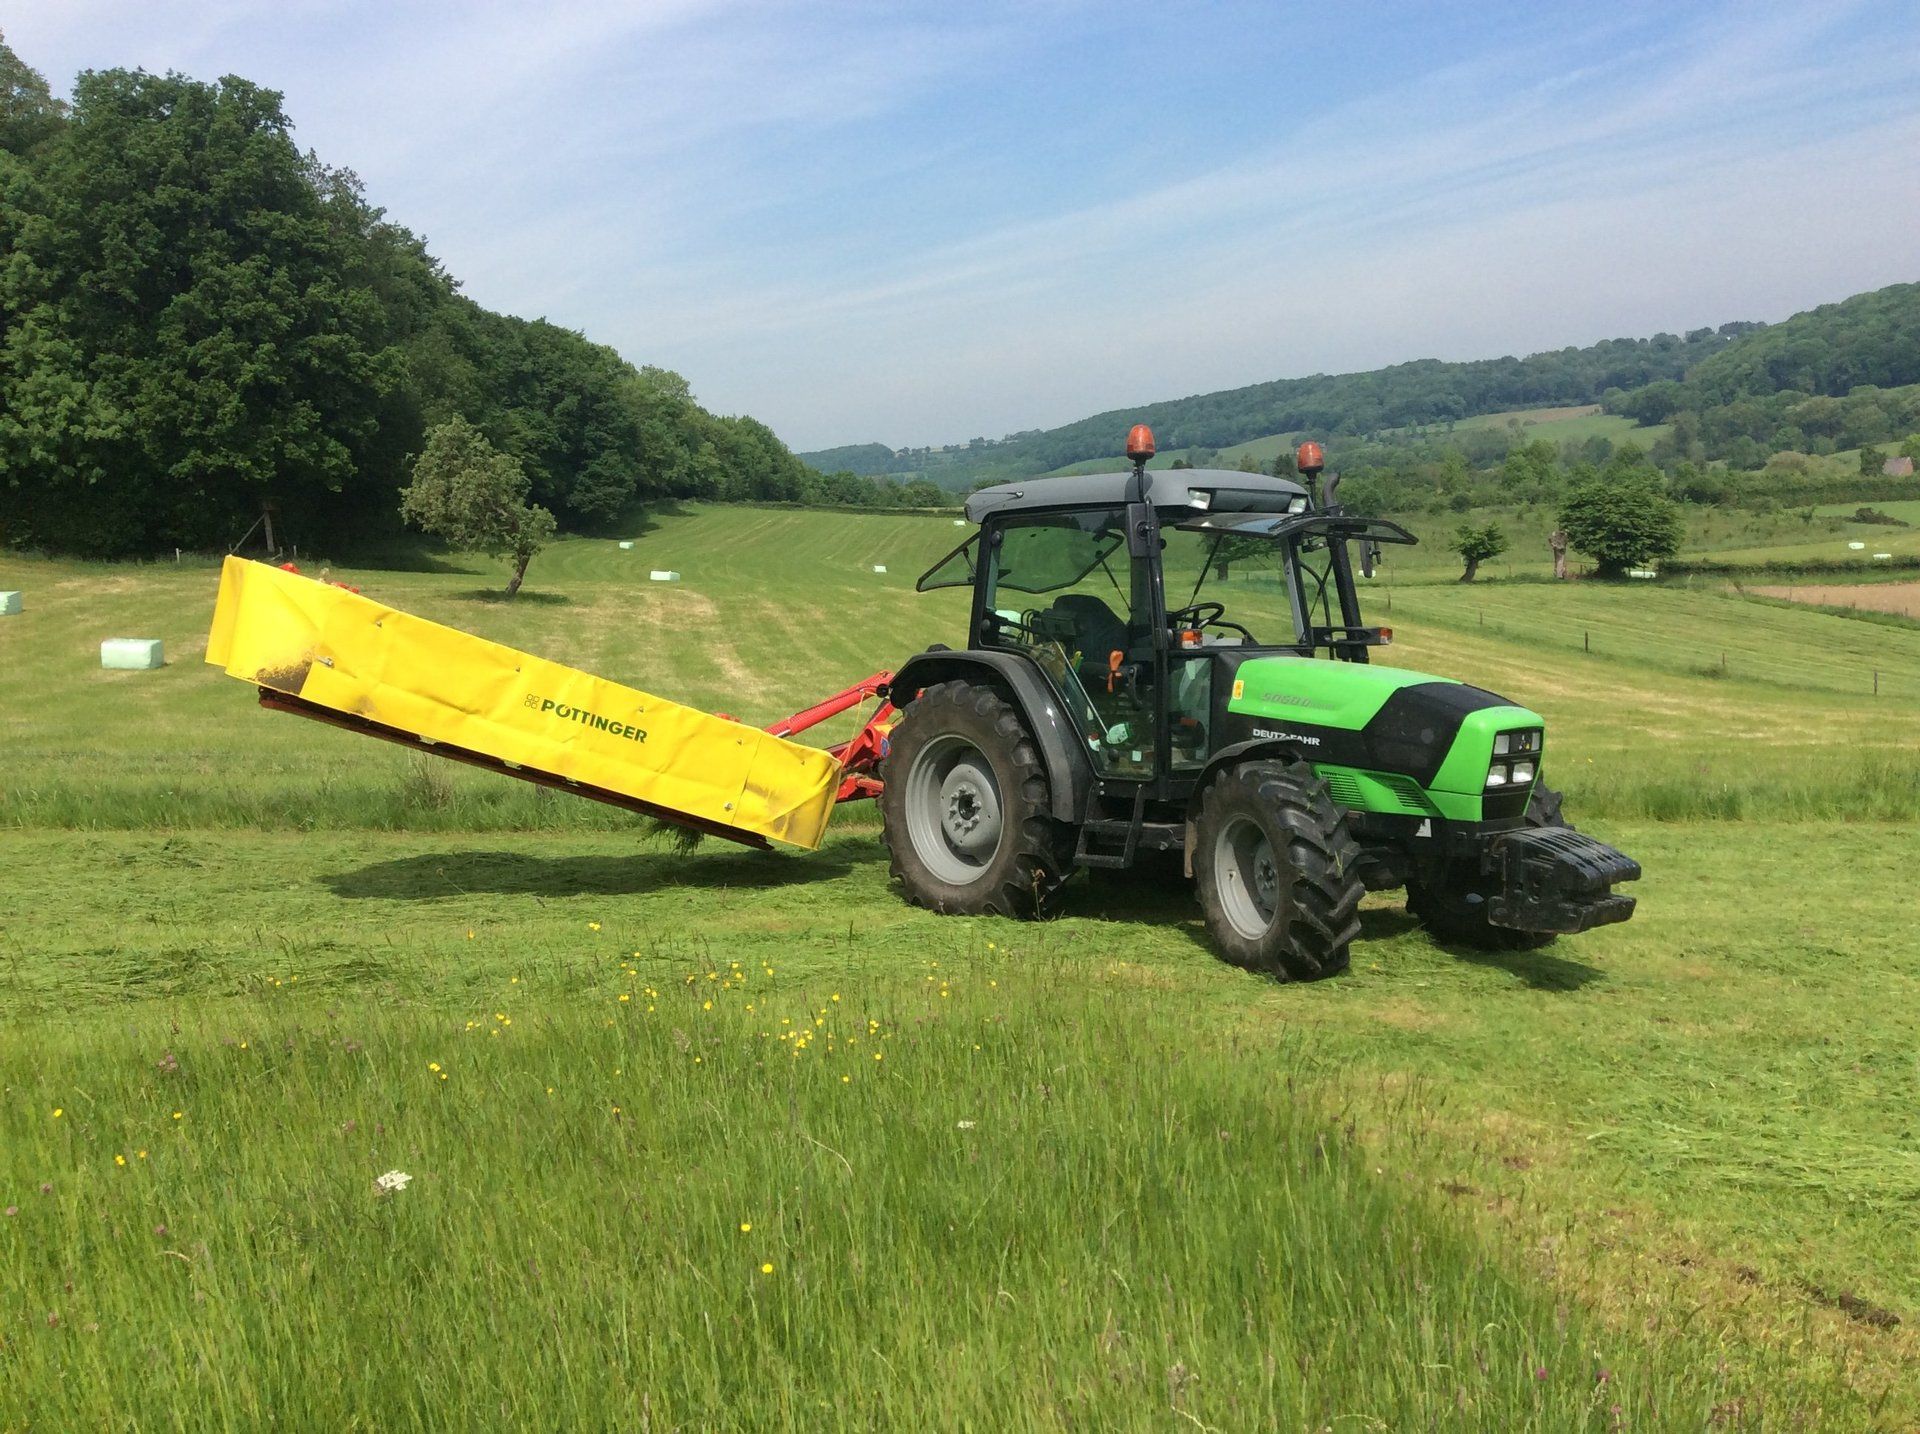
201, 326
1842, 376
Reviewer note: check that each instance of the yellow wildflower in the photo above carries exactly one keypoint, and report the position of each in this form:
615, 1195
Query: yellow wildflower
766, 1269
140, 1154
119, 1160
593, 926
746, 1227
433, 1065
58, 1112
177, 1115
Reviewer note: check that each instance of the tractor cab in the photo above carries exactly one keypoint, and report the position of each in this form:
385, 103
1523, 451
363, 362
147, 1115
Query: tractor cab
1140, 595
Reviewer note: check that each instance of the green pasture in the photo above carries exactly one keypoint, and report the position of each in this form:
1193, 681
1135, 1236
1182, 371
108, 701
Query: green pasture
1556, 425
1658, 1176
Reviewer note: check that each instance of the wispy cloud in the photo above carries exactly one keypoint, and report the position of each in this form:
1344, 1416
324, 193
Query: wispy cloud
861, 221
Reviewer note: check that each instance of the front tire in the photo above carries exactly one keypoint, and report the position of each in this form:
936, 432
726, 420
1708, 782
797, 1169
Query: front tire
1277, 871
1453, 904
965, 808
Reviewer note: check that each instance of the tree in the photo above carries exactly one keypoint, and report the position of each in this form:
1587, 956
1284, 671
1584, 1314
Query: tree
1476, 545
29, 114
475, 497
1870, 461
1622, 522
185, 340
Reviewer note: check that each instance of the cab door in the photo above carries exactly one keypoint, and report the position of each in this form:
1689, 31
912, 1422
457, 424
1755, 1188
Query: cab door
1061, 588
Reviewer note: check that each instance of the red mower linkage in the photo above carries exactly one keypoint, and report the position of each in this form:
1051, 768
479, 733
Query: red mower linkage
859, 756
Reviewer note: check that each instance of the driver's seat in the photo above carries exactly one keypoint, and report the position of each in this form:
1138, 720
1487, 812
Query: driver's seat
1097, 631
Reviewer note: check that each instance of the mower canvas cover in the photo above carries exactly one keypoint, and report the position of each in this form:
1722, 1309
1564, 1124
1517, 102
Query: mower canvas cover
337, 650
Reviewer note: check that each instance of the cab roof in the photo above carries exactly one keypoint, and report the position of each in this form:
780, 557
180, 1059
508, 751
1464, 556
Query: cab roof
1229, 490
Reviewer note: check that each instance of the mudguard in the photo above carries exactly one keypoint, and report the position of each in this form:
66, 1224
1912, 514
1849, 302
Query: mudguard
1069, 770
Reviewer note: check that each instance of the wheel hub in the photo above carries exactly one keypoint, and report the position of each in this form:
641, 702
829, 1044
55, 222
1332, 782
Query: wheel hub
1247, 877
953, 809
969, 813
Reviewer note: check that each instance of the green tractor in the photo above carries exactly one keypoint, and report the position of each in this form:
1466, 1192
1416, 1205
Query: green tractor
1171, 666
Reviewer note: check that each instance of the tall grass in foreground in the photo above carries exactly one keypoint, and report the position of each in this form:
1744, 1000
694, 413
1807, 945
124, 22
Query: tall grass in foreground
982, 1197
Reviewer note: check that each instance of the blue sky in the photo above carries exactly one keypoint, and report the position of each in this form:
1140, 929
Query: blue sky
917, 224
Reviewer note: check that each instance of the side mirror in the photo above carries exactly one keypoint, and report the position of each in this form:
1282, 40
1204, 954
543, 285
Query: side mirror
1369, 556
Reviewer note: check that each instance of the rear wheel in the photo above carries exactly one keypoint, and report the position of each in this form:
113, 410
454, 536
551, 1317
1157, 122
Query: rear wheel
965, 806
1452, 904
1276, 871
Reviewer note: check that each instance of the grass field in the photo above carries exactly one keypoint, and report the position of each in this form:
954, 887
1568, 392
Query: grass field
1659, 1176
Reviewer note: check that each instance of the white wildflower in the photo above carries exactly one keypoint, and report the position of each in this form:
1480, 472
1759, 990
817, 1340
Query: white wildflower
393, 1180
965, 1125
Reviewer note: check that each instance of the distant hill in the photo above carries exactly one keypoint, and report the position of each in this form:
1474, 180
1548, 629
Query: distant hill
1410, 395
1871, 338
1869, 341
866, 459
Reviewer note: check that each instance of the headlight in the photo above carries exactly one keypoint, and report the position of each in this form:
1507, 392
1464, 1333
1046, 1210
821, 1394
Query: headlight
1502, 744
1522, 773
1497, 776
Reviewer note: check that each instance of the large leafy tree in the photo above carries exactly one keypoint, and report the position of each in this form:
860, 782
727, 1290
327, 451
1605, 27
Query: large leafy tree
1621, 520
466, 491
197, 322
186, 344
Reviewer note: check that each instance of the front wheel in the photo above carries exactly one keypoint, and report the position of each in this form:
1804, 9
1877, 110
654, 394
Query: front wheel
1277, 871
965, 807
1452, 904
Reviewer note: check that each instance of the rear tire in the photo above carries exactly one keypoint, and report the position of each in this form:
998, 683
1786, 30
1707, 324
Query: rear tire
1277, 871
1454, 905
965, 807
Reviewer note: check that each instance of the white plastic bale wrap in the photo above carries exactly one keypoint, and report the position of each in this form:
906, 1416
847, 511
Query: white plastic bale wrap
9, 603
661, 575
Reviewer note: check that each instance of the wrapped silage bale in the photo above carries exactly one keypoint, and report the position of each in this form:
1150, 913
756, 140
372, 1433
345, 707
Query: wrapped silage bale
9, 603
627, 546
132, 654
663, 575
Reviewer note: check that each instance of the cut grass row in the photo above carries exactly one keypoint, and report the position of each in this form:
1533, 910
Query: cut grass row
776, 609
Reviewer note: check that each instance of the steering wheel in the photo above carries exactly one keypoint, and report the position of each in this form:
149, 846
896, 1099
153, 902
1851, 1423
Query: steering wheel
1201, 614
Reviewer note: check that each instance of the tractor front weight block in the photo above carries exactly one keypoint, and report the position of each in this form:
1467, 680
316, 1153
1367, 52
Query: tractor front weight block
1557, 879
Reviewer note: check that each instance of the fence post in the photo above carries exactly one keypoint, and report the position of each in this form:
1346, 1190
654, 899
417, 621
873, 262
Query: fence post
1586, 641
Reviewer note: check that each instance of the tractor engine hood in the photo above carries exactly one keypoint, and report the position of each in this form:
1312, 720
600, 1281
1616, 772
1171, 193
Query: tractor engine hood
1383, 719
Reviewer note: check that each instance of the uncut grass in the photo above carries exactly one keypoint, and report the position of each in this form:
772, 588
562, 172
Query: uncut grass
1144, 1219
1704, 1113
